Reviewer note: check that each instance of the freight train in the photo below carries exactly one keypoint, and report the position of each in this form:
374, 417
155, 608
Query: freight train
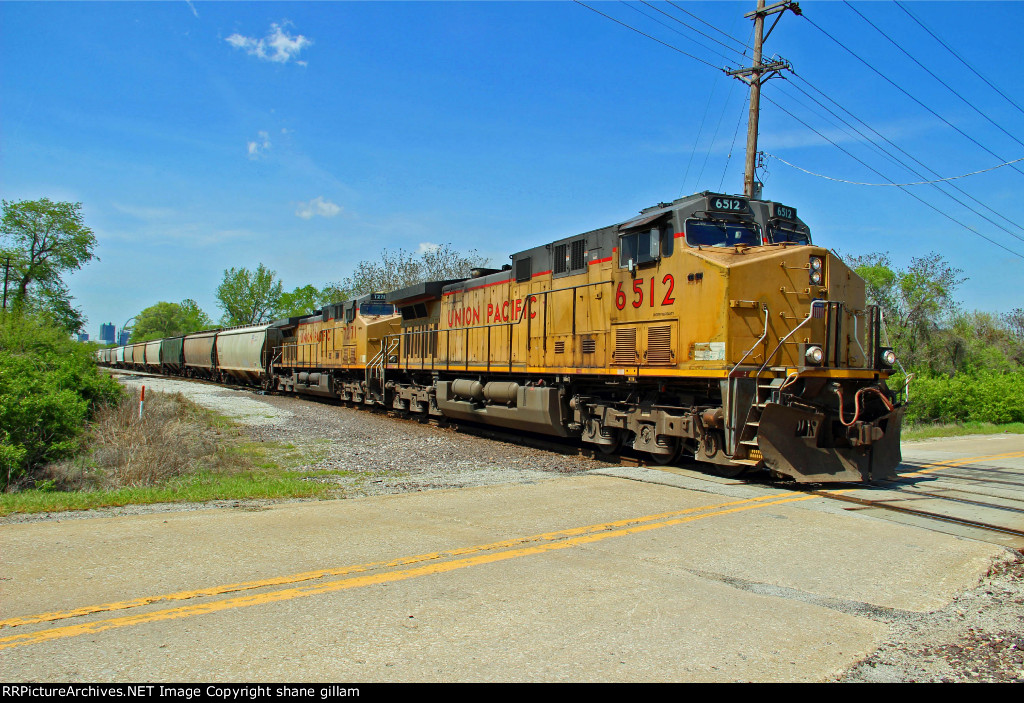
708, 328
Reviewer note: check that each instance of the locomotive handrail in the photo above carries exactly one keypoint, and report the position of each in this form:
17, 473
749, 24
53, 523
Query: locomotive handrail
377, 366
757, 391
731, 387
856, 336
510, 324
754, 345
778, 346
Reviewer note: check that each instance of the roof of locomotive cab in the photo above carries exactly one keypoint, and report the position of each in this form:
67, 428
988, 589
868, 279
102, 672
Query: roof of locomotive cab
467, 284
419, 291
599, 245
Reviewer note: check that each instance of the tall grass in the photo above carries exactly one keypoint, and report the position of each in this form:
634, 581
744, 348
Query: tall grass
172, 438
177, 452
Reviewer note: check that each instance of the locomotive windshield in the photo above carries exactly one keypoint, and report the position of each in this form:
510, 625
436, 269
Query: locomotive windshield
717, 233
376, 309
779, 232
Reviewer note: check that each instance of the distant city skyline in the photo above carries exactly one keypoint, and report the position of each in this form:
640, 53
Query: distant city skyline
309, 136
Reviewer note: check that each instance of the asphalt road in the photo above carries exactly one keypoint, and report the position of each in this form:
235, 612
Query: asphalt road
577, 578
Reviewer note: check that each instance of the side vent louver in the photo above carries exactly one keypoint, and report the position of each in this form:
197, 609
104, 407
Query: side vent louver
560, 259
625, 346
524, 269
578, 259
659, 345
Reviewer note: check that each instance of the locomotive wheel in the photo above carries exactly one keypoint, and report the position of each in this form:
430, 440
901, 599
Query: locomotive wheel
610, 450
671, 457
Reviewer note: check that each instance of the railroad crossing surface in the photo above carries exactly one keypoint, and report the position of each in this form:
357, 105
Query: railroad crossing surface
625, 574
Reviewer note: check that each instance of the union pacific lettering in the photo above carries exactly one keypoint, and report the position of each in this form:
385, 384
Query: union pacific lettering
310, 336
504, 311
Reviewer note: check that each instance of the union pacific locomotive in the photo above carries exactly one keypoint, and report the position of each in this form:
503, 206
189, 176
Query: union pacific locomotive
710, 327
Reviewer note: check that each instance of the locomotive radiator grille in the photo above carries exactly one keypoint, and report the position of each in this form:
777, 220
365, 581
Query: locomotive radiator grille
578, 255
659, 345
625, 346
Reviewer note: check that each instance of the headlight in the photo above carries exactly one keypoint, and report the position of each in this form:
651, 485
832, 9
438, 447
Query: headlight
817, 266
888, 357
814, 355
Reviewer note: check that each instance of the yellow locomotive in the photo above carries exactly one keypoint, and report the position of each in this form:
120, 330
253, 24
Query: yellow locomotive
709, 327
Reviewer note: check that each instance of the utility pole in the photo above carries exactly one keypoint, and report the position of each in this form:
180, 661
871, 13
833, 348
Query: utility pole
754, 76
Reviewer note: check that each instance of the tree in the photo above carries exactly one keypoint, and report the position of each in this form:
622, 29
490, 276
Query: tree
248, 297
169, 320
43, 240
49, 387
193, 318
401, 268
301, 301
917, 303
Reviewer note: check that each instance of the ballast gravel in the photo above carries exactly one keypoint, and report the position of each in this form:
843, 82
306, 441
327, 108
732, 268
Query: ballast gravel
368, 452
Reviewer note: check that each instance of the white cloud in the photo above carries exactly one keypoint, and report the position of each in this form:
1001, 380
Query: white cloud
192, 7
143, 212
259, 147
424, 247
278, 46
317, 206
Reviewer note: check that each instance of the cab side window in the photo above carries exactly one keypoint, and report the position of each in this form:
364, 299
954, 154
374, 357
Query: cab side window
644, 246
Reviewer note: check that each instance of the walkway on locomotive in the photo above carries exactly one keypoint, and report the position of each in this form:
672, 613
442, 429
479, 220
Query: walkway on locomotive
689, 288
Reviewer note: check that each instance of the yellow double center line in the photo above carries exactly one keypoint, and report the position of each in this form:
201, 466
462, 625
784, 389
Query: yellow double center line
485, 554
432, 563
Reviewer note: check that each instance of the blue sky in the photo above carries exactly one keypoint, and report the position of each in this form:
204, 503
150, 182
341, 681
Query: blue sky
307, 136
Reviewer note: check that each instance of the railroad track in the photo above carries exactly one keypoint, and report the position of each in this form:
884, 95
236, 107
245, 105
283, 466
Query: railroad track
964, 495
970, 497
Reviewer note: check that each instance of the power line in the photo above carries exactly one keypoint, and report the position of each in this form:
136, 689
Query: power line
673, 29
891, 185
634, 29
714, 136
904, 152
726, 34
696, 140
902, 90
930, 73
692, 28
733, 146
841, 124
959, 57
912, 194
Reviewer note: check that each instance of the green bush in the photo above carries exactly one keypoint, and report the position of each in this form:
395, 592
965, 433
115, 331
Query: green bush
49, 387
983, 397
